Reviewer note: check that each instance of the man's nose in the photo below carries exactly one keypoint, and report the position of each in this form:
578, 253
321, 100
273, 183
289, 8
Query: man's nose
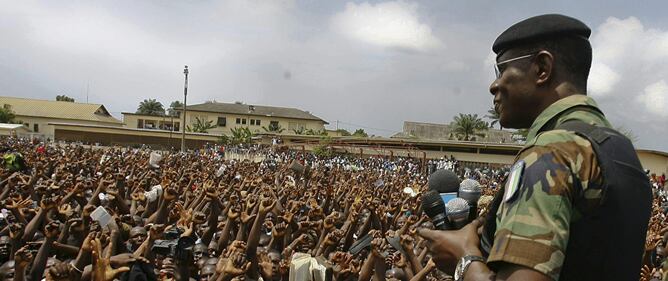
494, 87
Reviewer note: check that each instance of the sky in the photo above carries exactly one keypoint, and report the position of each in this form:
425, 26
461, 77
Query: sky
366, 64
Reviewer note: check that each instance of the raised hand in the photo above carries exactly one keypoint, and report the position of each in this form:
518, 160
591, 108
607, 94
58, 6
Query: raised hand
52, 230
245, 218
23, 257
16, 230
279, 230
156, 231
267, 205
19, 204
102, 269
265, 264
66, 210
407, 242
333, 237
60, 271
236, 264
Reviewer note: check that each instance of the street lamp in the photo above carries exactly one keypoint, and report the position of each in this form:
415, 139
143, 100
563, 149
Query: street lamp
183, 125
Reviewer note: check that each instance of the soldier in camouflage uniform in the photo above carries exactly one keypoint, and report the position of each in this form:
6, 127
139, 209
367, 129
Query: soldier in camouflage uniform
542, 68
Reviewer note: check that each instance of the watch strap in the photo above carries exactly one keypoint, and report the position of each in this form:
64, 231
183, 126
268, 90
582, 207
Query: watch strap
466, 261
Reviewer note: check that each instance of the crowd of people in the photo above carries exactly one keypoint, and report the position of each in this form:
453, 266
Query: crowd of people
71, 212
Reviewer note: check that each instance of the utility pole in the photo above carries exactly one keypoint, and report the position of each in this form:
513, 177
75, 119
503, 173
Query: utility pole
183, 125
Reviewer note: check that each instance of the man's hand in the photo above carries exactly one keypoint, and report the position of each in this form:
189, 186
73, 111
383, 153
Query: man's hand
102, 269
236, 264
52, 230
23, 257
265, 264
447, 247
279, 230
267, 205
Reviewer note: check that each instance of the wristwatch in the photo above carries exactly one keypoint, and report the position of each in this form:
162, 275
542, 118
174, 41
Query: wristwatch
463, 264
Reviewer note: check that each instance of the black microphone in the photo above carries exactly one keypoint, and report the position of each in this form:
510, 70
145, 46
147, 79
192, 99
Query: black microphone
470, 191
444, 181
433, 206
458, 212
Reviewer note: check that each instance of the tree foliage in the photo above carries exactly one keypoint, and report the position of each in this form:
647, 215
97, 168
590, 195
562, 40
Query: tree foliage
469, 126
312, 132
360, 133
299, 131
239, 135
495, 117
151, 107
6, 115
273, 128
200, 126
64, 98
323, 149
172, 111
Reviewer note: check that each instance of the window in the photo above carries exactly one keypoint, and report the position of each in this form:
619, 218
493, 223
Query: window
140, 123
257, 122
243, 121
273, 124
252, 122
238, 120
36, 128
222, 121
176, 126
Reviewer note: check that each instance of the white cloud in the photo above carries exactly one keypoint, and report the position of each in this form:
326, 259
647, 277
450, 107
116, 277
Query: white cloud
602, 79
655, 98
389, 24
629, 58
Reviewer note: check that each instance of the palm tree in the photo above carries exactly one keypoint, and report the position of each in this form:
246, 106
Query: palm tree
151, 107
494, 116
467, 126
273, 128
173, 107
200, 125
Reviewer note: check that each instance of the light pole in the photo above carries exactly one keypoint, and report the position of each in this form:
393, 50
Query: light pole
183, 125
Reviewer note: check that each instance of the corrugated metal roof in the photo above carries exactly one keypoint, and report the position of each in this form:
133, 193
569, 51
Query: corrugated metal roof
255, 110
59, 109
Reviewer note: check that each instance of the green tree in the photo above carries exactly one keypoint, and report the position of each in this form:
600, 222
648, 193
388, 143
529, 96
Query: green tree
323, 149
239, 135
273, 128
299, 131
200, 126
64, 98
172, 111
151, 107
315, 132
494, 116
6, 115
467, 126
360, 133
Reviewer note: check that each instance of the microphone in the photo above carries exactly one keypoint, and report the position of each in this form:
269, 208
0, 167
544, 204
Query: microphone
444, 181
470, 190
433, 205
458, 212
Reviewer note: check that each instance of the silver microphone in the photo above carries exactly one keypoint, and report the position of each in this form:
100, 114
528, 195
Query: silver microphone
470, 191
458, 212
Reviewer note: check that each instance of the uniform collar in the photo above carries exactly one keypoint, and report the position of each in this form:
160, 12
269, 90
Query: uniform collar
555, 109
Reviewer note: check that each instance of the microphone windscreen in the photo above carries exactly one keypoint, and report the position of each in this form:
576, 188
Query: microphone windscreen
432, 204
444, 181
470, 190
458, 211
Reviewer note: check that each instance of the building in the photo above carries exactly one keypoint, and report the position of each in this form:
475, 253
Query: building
37, 114
223, 117
14, 130
432, 131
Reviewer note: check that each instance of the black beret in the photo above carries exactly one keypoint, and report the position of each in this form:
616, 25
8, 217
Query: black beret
540, 27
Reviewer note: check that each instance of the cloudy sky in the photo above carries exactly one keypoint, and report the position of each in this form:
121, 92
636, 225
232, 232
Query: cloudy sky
367, 64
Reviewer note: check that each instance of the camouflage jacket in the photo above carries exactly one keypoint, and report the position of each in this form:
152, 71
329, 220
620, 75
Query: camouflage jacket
533, 220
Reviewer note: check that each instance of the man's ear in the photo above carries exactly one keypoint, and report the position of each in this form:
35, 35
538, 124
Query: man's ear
545, 67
